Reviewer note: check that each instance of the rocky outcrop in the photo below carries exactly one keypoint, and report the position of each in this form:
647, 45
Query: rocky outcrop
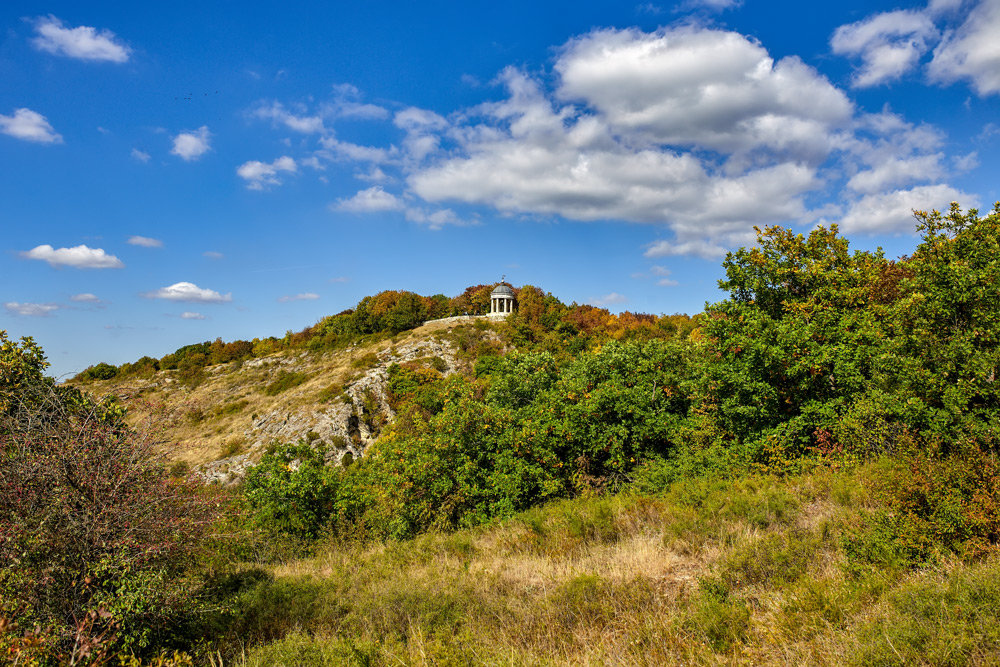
347, 425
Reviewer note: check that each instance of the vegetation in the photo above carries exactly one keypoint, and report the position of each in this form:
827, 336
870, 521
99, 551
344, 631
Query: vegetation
805, 473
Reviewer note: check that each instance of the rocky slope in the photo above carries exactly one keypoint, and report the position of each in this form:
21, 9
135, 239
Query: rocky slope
222, 422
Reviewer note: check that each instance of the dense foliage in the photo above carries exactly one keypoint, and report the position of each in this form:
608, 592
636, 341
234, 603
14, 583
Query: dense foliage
94, 535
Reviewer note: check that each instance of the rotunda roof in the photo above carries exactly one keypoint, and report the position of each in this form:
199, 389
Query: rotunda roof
502, 290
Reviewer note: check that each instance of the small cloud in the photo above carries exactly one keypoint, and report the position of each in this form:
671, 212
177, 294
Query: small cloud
30, 309
649, 8
192, 145
82, 42
966, 162
703, 249
437, 219
259, 175
372, 200
85, 297
373, 175
185, 291
608, 299
140, 156
277, 113
30, 126
188, 315
471, 81
339, 279
211, 254
145, 242
305, 296
79, 257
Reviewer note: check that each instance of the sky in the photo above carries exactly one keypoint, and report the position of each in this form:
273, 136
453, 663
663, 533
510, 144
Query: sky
175, 172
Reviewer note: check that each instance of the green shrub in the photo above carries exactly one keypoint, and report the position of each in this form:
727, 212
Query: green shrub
285, 381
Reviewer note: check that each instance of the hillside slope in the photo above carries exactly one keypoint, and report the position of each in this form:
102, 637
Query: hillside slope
221, 422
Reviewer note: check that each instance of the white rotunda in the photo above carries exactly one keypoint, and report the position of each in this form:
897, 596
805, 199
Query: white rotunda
501, 300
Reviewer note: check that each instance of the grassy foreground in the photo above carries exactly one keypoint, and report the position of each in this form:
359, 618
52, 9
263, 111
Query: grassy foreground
744, 571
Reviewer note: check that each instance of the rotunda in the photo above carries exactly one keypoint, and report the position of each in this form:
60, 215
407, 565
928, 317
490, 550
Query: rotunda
501, 300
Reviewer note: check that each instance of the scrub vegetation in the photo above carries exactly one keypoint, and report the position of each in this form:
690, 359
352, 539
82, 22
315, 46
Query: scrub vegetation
805, 473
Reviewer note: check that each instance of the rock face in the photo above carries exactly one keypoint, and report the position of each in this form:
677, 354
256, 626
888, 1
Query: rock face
347, 425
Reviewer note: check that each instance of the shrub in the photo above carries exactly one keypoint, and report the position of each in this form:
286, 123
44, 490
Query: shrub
285, 381
92, 526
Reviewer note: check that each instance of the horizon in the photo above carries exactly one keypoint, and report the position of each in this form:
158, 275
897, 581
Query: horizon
178, 174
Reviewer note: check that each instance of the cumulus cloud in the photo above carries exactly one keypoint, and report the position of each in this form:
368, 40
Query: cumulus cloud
30, 126
79, 257
892, 212
185, 291
608, 299
212, 254
145, 242
82, 42
85, 297
305, 296
692, 86
30, 309
260, 175
889, 44
190, 315
578, 169
972, 51
140, 156
372, 200
192, 145
696, 130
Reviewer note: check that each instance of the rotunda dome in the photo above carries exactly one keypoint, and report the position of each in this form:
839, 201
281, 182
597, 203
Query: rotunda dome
502, 290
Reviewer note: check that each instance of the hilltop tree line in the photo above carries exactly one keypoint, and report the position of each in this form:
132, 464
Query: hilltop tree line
390, 312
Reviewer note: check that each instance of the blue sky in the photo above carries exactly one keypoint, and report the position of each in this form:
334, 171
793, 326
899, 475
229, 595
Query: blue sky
170, 174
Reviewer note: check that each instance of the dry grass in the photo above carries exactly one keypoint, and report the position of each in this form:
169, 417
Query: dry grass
741, 572
199, 422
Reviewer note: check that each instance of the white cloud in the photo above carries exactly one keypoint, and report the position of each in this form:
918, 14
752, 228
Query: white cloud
305, 296
212, 254
339, 279
608, 299
259, 175
185, 291
30, 126
82, 42
889, 44
302, 123
699, 248
30, 309
892, 212
145, 242
372, 200
189, 315
972, 51
693, 86
85, 297
344, 150
436, 220
140, 156
80, 257
192, 145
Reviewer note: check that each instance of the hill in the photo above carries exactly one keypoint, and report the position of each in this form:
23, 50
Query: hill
805, 473
224, 421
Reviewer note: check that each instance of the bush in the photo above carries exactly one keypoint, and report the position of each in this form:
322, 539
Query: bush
285, 381
92, 527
